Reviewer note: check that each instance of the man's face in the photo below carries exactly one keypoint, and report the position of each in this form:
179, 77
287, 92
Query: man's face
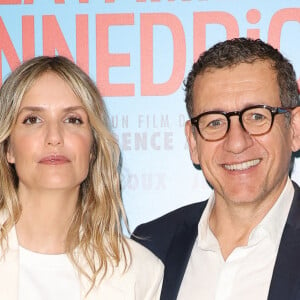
241, 168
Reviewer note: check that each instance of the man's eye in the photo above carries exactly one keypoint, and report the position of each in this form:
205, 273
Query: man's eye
215, 123
257, 117
74, 120
32, 120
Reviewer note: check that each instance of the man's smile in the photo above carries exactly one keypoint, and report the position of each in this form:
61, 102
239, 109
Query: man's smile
242, 166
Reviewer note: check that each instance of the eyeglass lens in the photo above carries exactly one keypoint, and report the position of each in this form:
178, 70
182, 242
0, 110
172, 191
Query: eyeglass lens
255, 121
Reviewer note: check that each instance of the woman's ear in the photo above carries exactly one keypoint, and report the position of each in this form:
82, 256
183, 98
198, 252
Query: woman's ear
295, 126
10, 155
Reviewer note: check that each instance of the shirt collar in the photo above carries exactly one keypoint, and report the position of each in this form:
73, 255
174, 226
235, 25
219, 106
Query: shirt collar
272, 224
274, 221
206, 239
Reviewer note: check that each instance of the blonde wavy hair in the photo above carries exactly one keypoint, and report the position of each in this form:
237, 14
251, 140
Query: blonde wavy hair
96, 228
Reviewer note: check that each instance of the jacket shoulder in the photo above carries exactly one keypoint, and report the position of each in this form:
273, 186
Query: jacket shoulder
188, 213
157, 234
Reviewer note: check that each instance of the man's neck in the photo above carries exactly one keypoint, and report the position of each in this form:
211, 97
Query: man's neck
232, 223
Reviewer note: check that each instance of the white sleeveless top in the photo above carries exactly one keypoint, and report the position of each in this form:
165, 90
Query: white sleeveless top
47, 277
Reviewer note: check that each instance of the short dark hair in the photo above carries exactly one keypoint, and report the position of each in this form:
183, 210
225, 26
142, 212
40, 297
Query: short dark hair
245, 50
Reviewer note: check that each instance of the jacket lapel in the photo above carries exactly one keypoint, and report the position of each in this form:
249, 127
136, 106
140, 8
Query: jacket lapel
285, 283
177, 260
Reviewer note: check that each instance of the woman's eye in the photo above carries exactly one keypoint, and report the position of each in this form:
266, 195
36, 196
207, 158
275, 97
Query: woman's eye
32, 120
74, 120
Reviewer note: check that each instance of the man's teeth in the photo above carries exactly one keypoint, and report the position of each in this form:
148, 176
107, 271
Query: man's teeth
242, 166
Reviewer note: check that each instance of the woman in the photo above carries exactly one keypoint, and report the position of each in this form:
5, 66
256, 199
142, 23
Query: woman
60, 203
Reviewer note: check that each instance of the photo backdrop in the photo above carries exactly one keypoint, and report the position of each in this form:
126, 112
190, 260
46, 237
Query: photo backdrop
138, 53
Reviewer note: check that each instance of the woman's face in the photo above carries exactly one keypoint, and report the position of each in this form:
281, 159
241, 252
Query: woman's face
50, 144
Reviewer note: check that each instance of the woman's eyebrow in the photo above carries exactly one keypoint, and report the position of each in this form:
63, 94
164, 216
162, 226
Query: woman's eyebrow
41, 108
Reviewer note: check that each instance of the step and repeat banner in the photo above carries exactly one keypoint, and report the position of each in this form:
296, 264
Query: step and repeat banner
138, 52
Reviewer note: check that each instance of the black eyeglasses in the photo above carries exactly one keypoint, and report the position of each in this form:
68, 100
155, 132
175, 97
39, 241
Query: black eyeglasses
256, 120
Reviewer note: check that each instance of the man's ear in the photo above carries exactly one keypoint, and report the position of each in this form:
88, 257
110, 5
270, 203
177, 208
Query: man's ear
9, 155
190, 136
295, 126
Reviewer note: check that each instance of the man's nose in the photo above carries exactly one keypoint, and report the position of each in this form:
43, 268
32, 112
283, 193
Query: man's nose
237, 139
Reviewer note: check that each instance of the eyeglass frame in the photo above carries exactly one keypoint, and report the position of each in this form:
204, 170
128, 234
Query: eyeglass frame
273, 110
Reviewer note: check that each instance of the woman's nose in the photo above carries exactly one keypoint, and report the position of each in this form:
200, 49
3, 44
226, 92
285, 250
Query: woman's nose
54, 134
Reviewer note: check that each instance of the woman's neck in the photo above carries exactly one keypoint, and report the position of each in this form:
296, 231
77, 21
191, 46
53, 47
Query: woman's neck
45, 219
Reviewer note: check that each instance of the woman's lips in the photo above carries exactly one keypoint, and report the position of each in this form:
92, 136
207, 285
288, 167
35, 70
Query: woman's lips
54, 160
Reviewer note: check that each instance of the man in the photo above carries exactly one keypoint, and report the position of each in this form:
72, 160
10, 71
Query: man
244, 242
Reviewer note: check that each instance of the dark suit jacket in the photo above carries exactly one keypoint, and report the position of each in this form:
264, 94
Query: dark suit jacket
171, 238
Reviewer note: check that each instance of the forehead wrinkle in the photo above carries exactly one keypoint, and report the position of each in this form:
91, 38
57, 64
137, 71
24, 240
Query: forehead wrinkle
236, 90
